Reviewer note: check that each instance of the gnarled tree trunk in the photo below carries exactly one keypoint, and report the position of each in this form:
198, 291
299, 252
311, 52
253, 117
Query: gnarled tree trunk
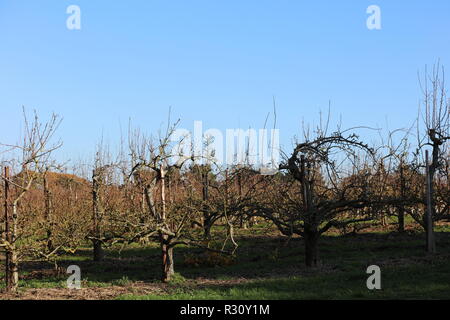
96, 242
311, 248
48, 213
168, 268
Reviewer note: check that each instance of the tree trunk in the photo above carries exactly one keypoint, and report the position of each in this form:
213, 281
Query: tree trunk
401, 219
167, 259
48, 213
311, 234
97, 244
401, 209
205, 197
166, 250
13, 272
311, 249
13, 262
384, 220
206, 228
429, 225
98, 250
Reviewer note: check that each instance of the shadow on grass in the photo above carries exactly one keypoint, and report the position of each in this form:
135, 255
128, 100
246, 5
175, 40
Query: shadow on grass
259, 257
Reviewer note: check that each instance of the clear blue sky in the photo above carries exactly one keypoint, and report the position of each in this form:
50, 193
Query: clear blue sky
214, 60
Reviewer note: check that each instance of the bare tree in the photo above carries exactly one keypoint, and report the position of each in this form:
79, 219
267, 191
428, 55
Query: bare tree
102, 165
152, 163
436, 119
304, 165
34, 152
317, 188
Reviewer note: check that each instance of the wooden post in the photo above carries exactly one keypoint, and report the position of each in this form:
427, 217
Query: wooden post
48, 212
8, 253
97, 244
401, 209
431, 247
204, 171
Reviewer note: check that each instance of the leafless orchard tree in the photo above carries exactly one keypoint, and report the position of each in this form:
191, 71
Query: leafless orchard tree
221, 195
436, 118
152, 161
160, 170
317, 187
398, 171
104, 185
33, 153
308, 161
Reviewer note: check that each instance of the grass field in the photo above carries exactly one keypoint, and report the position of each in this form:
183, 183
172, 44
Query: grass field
266, 267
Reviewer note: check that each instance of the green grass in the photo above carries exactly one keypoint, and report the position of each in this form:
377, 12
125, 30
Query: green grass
402, 283
407, 272
267, 267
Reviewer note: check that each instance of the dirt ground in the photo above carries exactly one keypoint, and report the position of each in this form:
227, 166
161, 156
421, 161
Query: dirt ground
109, 293
102, 293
